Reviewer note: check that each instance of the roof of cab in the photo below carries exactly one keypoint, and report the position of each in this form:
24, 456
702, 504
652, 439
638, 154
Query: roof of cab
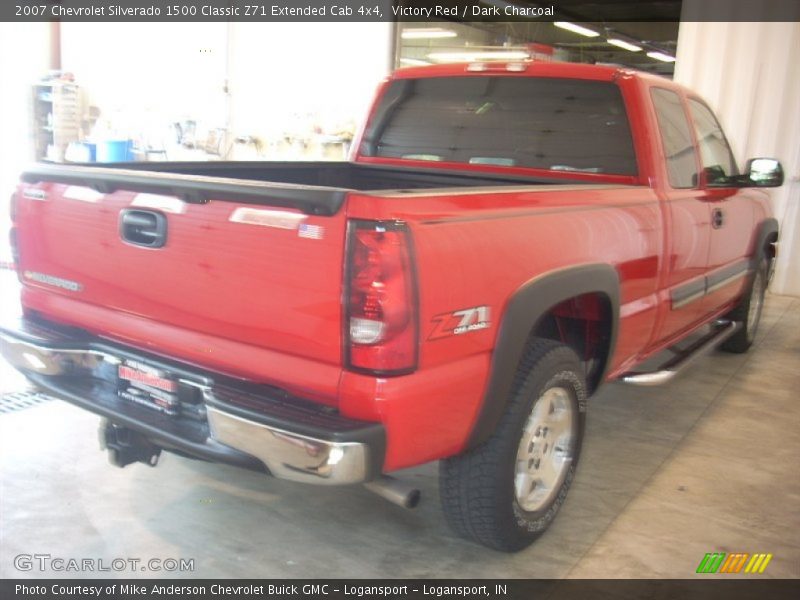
517, 68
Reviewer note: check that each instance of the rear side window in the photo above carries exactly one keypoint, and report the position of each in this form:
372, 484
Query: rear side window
715, 153
676, 138
543, 123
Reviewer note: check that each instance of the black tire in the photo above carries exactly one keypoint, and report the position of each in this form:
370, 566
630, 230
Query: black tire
478, 489
754, 297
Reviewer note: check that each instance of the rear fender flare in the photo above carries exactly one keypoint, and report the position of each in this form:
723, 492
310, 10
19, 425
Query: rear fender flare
523, 313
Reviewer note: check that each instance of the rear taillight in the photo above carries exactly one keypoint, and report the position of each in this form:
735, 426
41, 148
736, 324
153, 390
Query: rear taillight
380, 299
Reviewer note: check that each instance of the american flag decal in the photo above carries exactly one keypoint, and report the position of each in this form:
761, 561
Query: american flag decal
313, 232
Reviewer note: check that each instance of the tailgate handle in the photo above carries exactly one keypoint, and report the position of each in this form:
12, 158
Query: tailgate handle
143, 228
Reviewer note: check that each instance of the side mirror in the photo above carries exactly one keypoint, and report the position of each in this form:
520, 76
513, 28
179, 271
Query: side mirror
764, 172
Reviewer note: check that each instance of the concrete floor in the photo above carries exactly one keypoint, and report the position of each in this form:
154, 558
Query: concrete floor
707, 463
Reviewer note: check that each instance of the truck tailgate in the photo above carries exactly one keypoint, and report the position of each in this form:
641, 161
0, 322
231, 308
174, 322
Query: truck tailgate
258, 271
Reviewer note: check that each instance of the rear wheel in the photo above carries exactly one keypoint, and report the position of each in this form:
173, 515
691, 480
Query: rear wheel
748, 312
507, 491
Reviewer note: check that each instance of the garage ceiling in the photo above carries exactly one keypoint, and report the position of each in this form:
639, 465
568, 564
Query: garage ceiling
651, 25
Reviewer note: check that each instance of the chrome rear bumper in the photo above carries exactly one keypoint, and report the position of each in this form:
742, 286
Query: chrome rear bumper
247, 426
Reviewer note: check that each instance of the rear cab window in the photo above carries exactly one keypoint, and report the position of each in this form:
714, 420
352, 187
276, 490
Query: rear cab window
552, 124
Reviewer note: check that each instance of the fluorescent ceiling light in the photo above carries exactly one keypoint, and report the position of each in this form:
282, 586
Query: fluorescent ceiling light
415, 62
576, 28
661, 56
623, 44
427, 33
471, 56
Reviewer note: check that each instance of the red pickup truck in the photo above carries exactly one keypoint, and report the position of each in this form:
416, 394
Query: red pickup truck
505, 238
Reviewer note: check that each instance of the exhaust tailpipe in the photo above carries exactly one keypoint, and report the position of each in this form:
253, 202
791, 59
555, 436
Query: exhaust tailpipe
395, 491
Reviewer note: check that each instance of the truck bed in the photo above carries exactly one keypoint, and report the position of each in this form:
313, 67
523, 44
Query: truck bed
340, 174
312, 187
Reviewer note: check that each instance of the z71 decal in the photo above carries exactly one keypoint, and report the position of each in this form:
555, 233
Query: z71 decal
460, 321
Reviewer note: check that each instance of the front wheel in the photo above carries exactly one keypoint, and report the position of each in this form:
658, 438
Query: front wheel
507, 491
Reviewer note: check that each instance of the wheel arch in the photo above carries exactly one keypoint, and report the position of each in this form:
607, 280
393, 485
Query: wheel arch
524, 312
766, 234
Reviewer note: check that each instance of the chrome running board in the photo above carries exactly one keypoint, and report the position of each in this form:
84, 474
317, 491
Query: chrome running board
720, 331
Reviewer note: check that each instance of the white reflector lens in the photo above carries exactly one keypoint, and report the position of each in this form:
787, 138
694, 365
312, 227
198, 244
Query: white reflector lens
365, 331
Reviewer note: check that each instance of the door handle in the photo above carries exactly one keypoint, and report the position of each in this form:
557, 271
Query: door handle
717, 218
143, 228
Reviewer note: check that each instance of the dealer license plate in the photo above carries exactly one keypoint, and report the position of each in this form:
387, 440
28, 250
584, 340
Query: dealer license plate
148, 386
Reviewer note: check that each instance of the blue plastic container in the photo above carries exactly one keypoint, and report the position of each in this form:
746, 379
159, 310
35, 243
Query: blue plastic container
114, 151
92, 151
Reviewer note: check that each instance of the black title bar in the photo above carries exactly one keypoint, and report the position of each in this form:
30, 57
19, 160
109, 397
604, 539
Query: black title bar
387, 10
735, 588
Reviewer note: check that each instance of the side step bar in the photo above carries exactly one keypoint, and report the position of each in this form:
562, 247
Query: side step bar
720, 331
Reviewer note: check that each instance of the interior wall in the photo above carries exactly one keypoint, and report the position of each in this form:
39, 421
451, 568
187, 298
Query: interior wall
19, 69
288, 77
144, 77
749, 73
256, 79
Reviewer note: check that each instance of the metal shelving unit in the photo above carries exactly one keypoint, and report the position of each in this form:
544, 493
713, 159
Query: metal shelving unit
56, 118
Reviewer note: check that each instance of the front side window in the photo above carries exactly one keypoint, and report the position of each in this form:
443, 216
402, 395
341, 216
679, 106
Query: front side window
542, 123
676, 138
715, 153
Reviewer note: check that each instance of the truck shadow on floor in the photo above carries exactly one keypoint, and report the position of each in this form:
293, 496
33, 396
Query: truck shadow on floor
295, 530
